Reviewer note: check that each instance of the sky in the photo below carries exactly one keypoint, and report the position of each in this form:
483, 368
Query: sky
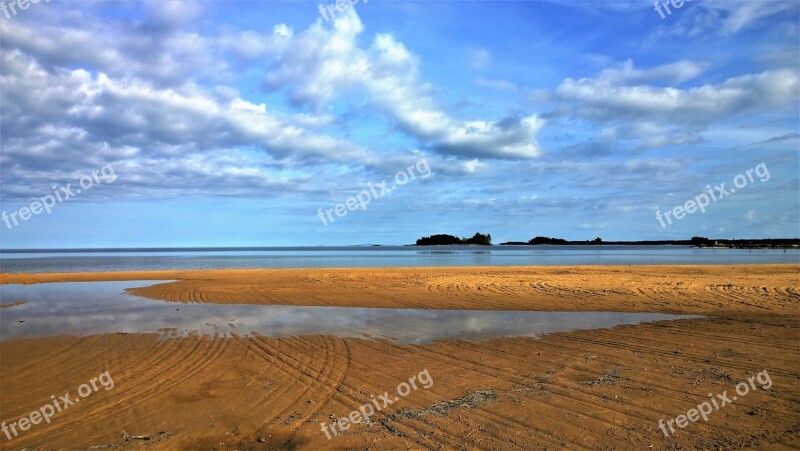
246, 123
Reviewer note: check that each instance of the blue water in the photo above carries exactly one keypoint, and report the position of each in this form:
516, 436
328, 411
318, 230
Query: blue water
90, 308
384, 256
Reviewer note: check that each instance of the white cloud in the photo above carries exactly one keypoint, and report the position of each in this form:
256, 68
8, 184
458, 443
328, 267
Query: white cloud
167, 57
171, 14
627, 105
473, 165
741, 14
604, 96
673, 73
323, 64
60, 122
721, 18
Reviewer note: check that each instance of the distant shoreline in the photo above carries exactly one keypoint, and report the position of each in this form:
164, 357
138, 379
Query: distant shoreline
766, 243
479, 239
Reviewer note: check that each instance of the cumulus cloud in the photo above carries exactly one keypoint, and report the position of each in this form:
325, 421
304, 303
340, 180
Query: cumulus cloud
601, 96
143, 102
166, 57
171, 14
621, 99
169, 94
673, 73
322, 64
58, 123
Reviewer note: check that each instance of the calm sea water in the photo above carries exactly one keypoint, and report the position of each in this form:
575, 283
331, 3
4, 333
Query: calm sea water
383, 256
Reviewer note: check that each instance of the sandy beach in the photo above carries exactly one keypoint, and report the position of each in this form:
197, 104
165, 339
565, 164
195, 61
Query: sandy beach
399, 225
584, 389
707, 289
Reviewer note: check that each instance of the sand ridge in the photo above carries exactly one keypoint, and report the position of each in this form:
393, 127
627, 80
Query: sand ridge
700, 289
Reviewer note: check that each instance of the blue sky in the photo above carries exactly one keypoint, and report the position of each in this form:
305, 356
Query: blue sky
234, 123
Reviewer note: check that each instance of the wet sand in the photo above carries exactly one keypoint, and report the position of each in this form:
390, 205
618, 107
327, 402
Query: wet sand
585, 389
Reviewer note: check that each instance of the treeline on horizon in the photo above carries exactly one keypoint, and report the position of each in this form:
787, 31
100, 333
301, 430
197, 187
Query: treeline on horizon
486, 240
445, 240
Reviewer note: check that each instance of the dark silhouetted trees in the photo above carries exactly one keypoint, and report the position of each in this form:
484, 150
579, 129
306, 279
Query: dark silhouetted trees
700, 241
546, 240
444, 240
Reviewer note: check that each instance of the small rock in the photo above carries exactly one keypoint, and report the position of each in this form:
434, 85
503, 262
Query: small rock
261, 440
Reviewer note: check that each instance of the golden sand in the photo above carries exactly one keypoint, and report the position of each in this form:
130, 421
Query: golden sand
593, 388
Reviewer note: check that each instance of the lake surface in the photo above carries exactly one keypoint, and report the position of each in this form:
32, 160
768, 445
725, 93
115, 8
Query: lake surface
383, 256
89, 308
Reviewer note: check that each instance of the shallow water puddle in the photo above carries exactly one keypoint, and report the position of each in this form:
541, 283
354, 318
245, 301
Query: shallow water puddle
89, 308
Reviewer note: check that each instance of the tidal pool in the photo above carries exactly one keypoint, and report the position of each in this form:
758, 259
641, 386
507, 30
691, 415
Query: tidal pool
91, 308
